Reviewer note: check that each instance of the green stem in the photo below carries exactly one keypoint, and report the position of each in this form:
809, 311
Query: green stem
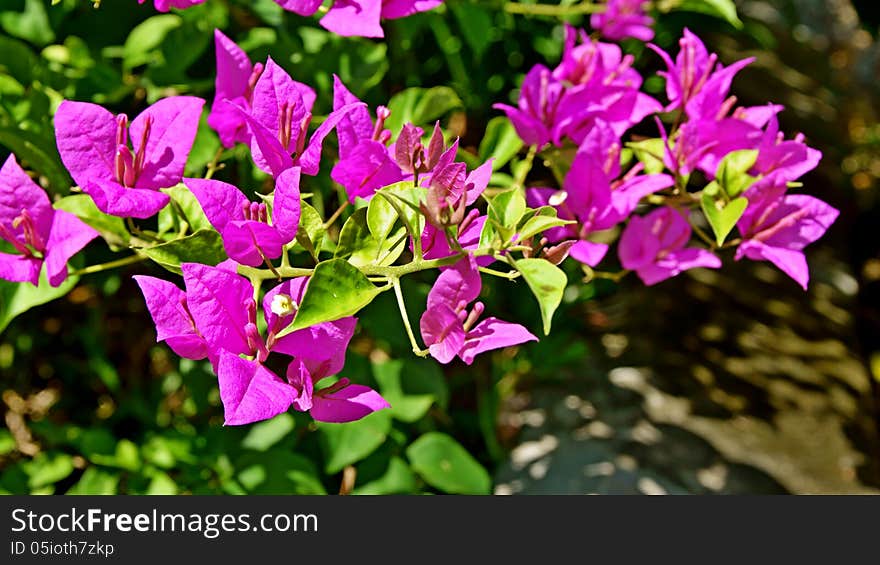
215, 164
368, 270
336, 215
401, 305
524, 172
510, 275
556, 11
131, 259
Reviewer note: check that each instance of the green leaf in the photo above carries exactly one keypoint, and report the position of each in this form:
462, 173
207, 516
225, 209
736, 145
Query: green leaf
311, 230
392, 201
46, 469
32, 24
193, 214
356, 242
732, 173
547, 282
265, 434
722, 217
39, 153
421, 106
505, 211
336, 289
147, 37
447, 466
18, 60
96, 481
111, 228
18, 298
278, 472
541, 222
127, 456
650, 153
161, 483
500, 142
397, 479
344, 444
404, 389
723, 9
204, 246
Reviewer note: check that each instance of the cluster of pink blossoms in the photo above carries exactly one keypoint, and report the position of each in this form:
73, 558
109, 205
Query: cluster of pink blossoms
344, 17
592, 99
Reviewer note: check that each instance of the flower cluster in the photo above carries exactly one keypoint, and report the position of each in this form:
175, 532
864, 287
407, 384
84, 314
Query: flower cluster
343, 17
729, 162
591, 99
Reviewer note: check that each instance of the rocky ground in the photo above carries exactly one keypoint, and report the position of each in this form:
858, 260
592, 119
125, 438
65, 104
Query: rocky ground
732, 382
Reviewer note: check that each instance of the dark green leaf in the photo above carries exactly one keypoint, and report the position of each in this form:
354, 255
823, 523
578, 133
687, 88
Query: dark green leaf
348, 443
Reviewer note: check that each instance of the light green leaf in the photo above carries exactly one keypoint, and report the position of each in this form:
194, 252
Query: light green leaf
356, 242
336, 289
506, 209
46, 469
96, 481
344, 444
161, 484
265, 434
547, 282
501, 142
447, 466
650, 153
732, 173
722, 217
311, 230
111, 228
18, 298
192, 210
204, 246
723, 9
146, 37
539, 223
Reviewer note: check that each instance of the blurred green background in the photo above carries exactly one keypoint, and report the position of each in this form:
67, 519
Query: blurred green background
732, 381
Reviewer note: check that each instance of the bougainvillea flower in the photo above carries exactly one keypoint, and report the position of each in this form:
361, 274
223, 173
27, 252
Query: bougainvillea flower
217, 317
622, 19
654, 246
777, 228
703, 144
236, 80
125, 181
359, 17
450, 329
594, 195
535, 117
365, 163
603, 86
174, 323
780, 161
695, 80
281, 111
248, 237
165, 5
38, 233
